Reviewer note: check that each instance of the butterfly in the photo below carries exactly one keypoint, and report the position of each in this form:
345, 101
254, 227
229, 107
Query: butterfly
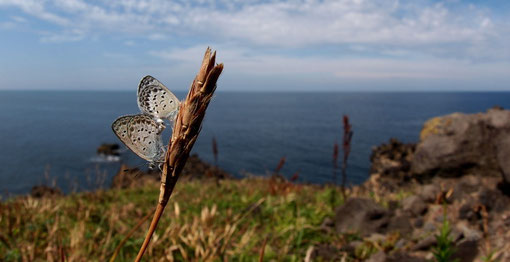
142, 132
156, 100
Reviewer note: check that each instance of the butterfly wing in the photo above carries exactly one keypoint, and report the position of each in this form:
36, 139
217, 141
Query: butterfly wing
142, 135
156, 100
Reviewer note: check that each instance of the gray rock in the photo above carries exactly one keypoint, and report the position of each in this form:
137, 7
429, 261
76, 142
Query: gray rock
469, 233
418, 223
361, 215
466, 250
401, 243
327, 224
467, 185
377, 257
45, 191
458, 143
414, 205
325, 253
429, 227
467, 212
351, 247
430, 192
456, 234
403, 257
503, 154
376, 237
494, 200
401, 224
425, 243
108, 149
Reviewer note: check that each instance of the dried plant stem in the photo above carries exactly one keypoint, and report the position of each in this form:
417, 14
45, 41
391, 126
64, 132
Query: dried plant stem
130, 233
262, 249
186, 129
347, 149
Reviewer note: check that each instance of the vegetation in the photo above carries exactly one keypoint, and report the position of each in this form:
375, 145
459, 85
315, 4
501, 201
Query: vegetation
206, 221
445, 247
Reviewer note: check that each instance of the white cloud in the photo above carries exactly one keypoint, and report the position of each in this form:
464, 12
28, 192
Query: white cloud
36, 9
244, 62
423, 27
130, 43
314, 41
72, 36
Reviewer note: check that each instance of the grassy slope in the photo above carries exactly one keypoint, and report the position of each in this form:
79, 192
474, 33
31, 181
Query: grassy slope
203, 220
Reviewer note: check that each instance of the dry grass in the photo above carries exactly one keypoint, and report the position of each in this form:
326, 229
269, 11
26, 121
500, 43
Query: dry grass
204, 222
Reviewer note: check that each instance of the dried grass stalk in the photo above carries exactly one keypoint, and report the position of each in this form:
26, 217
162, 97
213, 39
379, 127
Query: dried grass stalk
186, 129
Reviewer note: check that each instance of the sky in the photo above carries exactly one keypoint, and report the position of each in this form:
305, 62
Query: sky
343, 45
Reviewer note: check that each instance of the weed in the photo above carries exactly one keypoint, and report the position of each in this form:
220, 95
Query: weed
444, 249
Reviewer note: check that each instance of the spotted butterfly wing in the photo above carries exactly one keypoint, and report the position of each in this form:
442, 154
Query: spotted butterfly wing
156, 100
142, 135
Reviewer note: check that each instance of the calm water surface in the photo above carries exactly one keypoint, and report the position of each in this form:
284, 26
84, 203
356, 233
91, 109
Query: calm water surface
53, 135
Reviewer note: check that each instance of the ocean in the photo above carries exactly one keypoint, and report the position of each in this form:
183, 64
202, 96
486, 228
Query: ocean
51, 137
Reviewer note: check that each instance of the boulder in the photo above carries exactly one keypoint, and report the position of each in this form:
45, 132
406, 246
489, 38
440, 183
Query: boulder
128, 177
378, 257
361, 215
425, 244
430, 192
400, 224
396, 257
414, 205
45, 191
325, 253
108, 149
503, 154
392, 160
459, 143
466, 251
494, 200
403, 257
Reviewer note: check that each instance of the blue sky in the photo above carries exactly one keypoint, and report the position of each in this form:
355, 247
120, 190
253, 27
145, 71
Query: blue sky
351, 45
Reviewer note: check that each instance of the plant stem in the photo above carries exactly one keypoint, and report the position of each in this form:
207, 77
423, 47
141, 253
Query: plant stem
186, 129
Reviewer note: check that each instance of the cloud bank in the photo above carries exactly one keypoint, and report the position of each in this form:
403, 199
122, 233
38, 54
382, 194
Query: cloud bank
345, 39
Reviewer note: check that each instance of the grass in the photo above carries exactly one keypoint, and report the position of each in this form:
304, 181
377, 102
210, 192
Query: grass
445, 247
204, 222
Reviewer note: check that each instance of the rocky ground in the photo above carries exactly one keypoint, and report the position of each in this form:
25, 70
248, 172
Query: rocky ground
458, 171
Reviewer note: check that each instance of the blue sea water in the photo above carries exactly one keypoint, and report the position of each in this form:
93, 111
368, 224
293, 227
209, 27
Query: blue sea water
50, 136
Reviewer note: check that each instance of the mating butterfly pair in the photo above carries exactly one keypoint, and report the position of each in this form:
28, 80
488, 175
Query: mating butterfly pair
142, 132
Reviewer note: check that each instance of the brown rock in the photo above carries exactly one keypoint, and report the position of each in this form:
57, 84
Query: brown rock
45, 191
361, 215
430, 192
466, 251
414, 205
195, 168
425, 243
378, 257
392, 160
503, 154
401, 224
108, 149
403, 257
